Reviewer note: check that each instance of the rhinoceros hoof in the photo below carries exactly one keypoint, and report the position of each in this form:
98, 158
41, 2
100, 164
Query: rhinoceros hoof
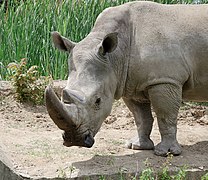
163, 149
140, 144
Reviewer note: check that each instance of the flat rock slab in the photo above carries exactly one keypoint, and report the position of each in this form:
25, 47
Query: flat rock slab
6, 167
31, 145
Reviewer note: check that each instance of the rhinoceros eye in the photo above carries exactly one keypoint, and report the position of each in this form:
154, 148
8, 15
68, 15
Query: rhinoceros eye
97, 103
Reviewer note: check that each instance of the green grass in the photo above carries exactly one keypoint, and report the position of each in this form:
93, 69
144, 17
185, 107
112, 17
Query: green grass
25, 30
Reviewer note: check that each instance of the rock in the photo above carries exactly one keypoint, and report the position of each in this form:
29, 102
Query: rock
203, 120
6, 167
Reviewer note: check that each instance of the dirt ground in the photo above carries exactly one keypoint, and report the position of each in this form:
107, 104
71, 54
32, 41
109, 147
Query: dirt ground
34, 144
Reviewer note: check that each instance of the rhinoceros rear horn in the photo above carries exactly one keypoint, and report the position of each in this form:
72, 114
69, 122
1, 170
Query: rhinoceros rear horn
61, 115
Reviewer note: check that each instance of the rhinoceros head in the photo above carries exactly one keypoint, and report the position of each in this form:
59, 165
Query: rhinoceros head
87, 99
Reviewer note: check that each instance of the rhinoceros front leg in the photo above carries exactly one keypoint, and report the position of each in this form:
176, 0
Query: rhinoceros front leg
144, 120
166, 100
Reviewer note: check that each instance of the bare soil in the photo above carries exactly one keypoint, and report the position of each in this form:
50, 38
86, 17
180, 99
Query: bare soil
34, 144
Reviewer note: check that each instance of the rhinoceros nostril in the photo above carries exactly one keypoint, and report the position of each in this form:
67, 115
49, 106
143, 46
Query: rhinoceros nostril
89, 141
66, 98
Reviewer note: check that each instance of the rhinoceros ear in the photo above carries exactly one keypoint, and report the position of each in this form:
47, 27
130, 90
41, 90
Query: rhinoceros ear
61, 42
109, 43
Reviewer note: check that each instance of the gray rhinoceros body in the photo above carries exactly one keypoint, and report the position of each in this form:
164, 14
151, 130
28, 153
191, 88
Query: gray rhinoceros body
146, 53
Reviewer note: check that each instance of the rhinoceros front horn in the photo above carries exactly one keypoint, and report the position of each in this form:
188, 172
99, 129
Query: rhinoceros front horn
62, 115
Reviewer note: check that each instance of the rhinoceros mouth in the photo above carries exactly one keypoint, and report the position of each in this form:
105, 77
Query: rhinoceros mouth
84, 140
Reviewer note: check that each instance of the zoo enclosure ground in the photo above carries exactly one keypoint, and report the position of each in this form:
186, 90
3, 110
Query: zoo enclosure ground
34, 144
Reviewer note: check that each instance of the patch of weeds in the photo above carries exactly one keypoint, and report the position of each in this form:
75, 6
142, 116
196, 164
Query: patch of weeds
148, 172
116, 142
62, 173
102, 177
71, 170
121, 176
205, 177
164, 173
111, 160
88, 178
181, 174
29, 85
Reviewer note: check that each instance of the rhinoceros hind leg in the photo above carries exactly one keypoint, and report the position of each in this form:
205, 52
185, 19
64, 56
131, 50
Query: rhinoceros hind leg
144, 120
137, 143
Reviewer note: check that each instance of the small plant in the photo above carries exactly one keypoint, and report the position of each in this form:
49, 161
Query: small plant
102, 177
164, 173
181, 175
61, 173
205, 177
148, 172
111, 161
29, 85
71, 170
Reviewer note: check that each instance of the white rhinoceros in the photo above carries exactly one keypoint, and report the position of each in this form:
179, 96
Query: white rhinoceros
146, 53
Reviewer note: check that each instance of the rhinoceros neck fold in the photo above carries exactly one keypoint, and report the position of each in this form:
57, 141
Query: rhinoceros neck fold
120, 60
121, 74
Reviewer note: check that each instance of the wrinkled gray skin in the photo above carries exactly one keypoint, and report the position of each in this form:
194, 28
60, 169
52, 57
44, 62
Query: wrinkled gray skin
146, 53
